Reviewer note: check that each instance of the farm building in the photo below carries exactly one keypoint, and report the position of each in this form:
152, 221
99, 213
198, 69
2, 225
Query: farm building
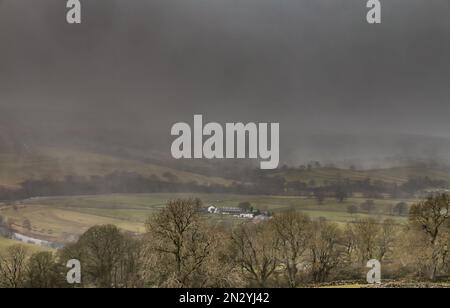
247, 215
231, 211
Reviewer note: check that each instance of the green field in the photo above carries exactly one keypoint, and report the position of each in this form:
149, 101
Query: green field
61, 219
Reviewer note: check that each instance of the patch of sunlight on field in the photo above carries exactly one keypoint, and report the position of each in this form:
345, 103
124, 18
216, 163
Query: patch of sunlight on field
61, 225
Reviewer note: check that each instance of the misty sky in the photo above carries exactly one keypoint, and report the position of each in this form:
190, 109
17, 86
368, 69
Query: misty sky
315, 66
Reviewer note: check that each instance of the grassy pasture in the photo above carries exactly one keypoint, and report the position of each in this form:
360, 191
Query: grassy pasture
61, 219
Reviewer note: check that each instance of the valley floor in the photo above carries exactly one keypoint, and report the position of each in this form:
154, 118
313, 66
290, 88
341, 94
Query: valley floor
63, 219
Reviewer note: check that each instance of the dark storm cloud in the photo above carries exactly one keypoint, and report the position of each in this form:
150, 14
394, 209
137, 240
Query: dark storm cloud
316, 66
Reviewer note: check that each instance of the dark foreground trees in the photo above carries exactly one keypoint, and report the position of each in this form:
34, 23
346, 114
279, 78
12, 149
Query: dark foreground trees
43, 271
293, 234
109, 258
254, 250
431, 220
181, 248
184, 248
13, 267
325, 250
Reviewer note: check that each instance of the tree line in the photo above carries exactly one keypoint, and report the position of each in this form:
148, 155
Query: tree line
182, 248
256, 183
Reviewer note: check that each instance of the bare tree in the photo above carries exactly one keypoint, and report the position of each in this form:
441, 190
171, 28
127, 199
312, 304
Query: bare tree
254, 247
221, 270
365, 233
432, 217
44, 272
180, 238
101, 250
13, 267
325, 250
387, 238
293, 233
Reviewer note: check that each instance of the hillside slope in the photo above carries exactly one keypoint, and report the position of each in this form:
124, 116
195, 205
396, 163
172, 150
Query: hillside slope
397, 175
56, 163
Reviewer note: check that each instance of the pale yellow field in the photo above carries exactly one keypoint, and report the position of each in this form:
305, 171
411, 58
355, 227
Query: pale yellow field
62, 219
60, 225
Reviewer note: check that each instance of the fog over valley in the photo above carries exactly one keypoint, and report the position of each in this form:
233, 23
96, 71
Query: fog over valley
343, 91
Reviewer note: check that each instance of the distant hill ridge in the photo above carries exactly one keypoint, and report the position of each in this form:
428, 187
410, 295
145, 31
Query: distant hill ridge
57, 163
397, 175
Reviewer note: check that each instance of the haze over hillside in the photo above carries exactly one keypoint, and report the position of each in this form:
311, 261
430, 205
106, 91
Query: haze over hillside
363, 151
344, 92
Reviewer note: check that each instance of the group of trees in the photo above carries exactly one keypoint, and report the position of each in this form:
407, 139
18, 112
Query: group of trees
343, 188
247, 181
118, 182
182, 249
414, 185
369, 206
19, 269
